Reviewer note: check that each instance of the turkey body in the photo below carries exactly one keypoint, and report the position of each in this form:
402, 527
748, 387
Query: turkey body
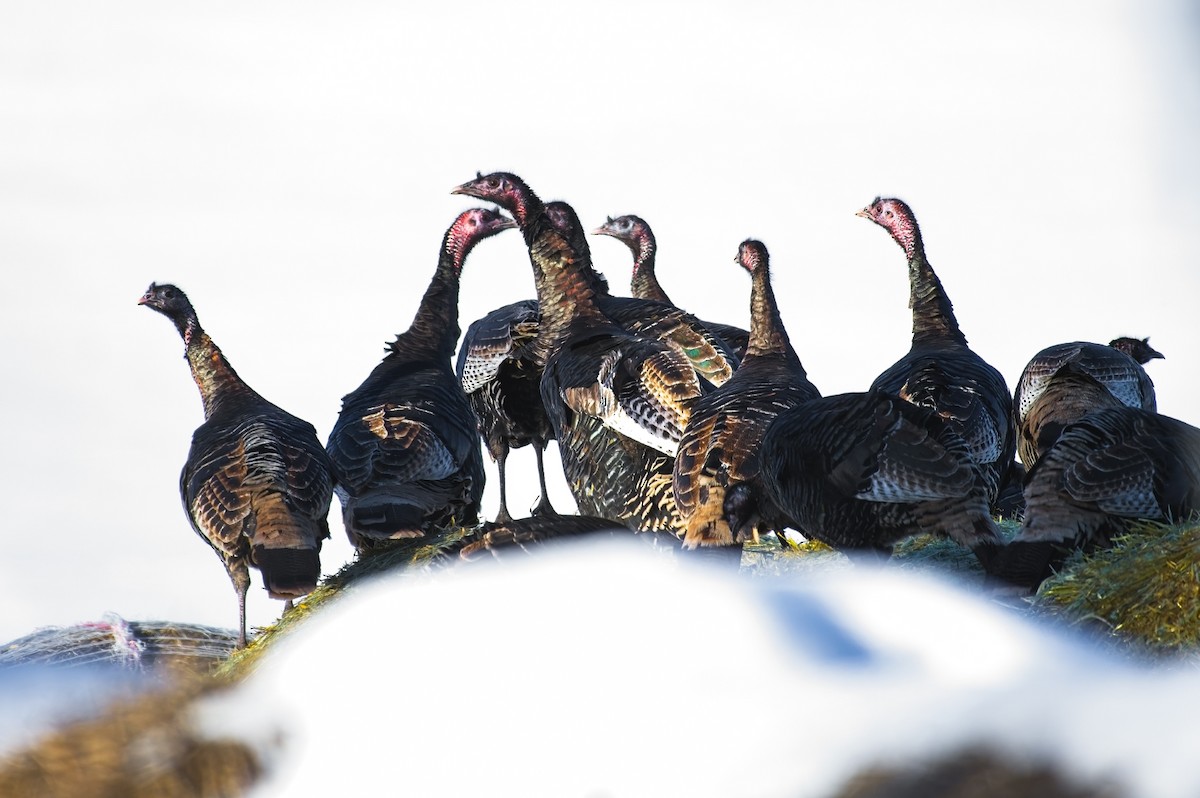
865, 470
406, 453
502, 380
405, 446
635, 233
941, 372
1118, 367
720, 450
617, 400
256, 484
615, 437
1108, 468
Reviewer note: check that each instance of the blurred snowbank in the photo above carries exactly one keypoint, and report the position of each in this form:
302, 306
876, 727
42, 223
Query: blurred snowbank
36, 700
606, 670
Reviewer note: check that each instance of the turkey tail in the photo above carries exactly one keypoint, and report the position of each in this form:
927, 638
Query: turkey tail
285, 547
288, 573
405, 510
1027, 562
384, 517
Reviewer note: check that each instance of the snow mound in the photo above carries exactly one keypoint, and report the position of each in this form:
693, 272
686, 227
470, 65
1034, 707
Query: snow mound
604, 670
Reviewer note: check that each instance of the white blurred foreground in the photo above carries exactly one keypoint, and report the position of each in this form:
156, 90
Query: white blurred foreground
606, 670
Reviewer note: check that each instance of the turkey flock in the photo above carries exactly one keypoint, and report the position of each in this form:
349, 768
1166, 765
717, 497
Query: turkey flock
695, 432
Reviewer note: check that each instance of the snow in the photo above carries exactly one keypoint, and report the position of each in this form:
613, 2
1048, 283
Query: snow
603, 669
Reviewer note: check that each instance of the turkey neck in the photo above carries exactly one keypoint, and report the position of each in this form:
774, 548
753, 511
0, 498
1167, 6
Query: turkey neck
933, 315
645, 282
767, 335
566, 285
216, 379
434, 330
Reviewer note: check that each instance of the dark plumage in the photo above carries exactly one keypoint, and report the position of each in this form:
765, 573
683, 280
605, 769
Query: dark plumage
1117, 367
617, 401
1110, 467
721, 446
502, 380
636, 234
940, 372
256, 484
405, 446
865, 470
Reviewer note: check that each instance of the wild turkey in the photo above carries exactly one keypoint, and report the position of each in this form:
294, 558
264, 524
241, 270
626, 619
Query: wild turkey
256, 484
940, 371
405, 446
1110, 467
617, 401
505, 371
861, 471
502, 381
636, 234
720, 448
1117, 366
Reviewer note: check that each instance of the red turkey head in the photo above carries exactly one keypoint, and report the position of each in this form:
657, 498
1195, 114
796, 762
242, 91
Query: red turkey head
471, 227
752, 255
897, 218
505, 189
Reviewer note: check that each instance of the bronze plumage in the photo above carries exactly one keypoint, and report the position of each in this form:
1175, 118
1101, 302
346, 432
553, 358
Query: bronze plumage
256, 484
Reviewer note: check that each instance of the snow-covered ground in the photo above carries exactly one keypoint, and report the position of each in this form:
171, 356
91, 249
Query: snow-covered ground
607, 670
289, 166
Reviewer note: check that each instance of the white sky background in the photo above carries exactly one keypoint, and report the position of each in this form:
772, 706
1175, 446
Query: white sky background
290, 166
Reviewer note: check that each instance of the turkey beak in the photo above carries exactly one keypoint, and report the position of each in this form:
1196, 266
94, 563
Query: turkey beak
600, 231
865, 213
466, 188
143, 299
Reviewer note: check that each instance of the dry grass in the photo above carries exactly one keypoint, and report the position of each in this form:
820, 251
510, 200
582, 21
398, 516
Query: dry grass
144, 747
1144, 592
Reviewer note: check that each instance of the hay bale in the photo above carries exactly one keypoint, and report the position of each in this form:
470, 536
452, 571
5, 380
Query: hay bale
133, 645
1143, 592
